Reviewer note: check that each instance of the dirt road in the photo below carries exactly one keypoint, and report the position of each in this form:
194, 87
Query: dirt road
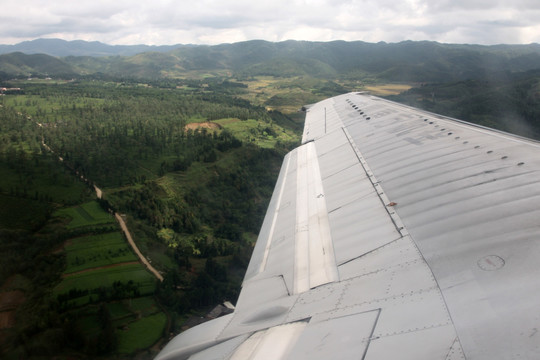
99, 195
135, 248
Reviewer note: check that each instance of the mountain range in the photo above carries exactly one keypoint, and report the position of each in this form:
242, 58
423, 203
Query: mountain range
418, 61
61, 48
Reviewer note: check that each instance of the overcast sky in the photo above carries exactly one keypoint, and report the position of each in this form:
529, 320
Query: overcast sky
167, 22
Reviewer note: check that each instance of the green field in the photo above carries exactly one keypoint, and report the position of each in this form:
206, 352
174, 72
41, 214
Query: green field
257, 131
138, 323
119, 310
143, 305
95, 262
88, 214
97, 278
93, 251
141, 334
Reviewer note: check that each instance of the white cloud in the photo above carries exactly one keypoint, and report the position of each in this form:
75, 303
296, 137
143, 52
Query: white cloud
213, 22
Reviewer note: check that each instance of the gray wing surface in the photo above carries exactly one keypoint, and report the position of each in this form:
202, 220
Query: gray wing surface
392, 233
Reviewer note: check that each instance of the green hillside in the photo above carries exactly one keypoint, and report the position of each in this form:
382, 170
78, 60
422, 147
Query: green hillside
37, 64
405, 61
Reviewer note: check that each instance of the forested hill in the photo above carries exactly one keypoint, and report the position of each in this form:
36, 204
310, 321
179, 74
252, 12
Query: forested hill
58, 47
405, 61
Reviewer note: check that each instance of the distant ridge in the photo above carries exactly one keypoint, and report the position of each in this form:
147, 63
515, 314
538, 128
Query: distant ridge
407, 61
61, 48
18, 63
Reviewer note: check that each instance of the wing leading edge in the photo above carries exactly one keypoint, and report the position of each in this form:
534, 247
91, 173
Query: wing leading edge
391, 233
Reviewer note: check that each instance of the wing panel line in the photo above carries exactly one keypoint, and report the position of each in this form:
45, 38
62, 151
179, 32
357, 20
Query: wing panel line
274, 219
382, 196
315, 262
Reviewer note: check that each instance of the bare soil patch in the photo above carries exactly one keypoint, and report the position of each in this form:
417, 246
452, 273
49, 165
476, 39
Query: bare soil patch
203, 125
388, 89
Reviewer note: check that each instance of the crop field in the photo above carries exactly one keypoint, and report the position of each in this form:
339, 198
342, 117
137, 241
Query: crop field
90, 283
93, 251
104, 277
87, 214
138, 323
387, 89
256, 131
142, 333
286, 95
95, 262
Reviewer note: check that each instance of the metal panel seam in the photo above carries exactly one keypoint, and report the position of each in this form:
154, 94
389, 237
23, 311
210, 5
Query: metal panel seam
395, 218
372, 332
384, 199
274, 219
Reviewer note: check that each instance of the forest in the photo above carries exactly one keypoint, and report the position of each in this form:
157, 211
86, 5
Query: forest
194, 198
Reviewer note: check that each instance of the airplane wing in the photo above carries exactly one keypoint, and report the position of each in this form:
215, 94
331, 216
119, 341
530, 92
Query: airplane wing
392, 233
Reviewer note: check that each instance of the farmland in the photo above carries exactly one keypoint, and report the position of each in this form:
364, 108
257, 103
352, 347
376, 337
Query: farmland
103, 280
88, 214
134, 324
141, 334
87, 252
98, 261
256, 131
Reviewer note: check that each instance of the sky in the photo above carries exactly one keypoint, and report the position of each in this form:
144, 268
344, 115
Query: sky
168, 22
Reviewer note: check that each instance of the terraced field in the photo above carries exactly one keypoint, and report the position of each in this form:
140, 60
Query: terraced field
87, 252
101, 268
88, 214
